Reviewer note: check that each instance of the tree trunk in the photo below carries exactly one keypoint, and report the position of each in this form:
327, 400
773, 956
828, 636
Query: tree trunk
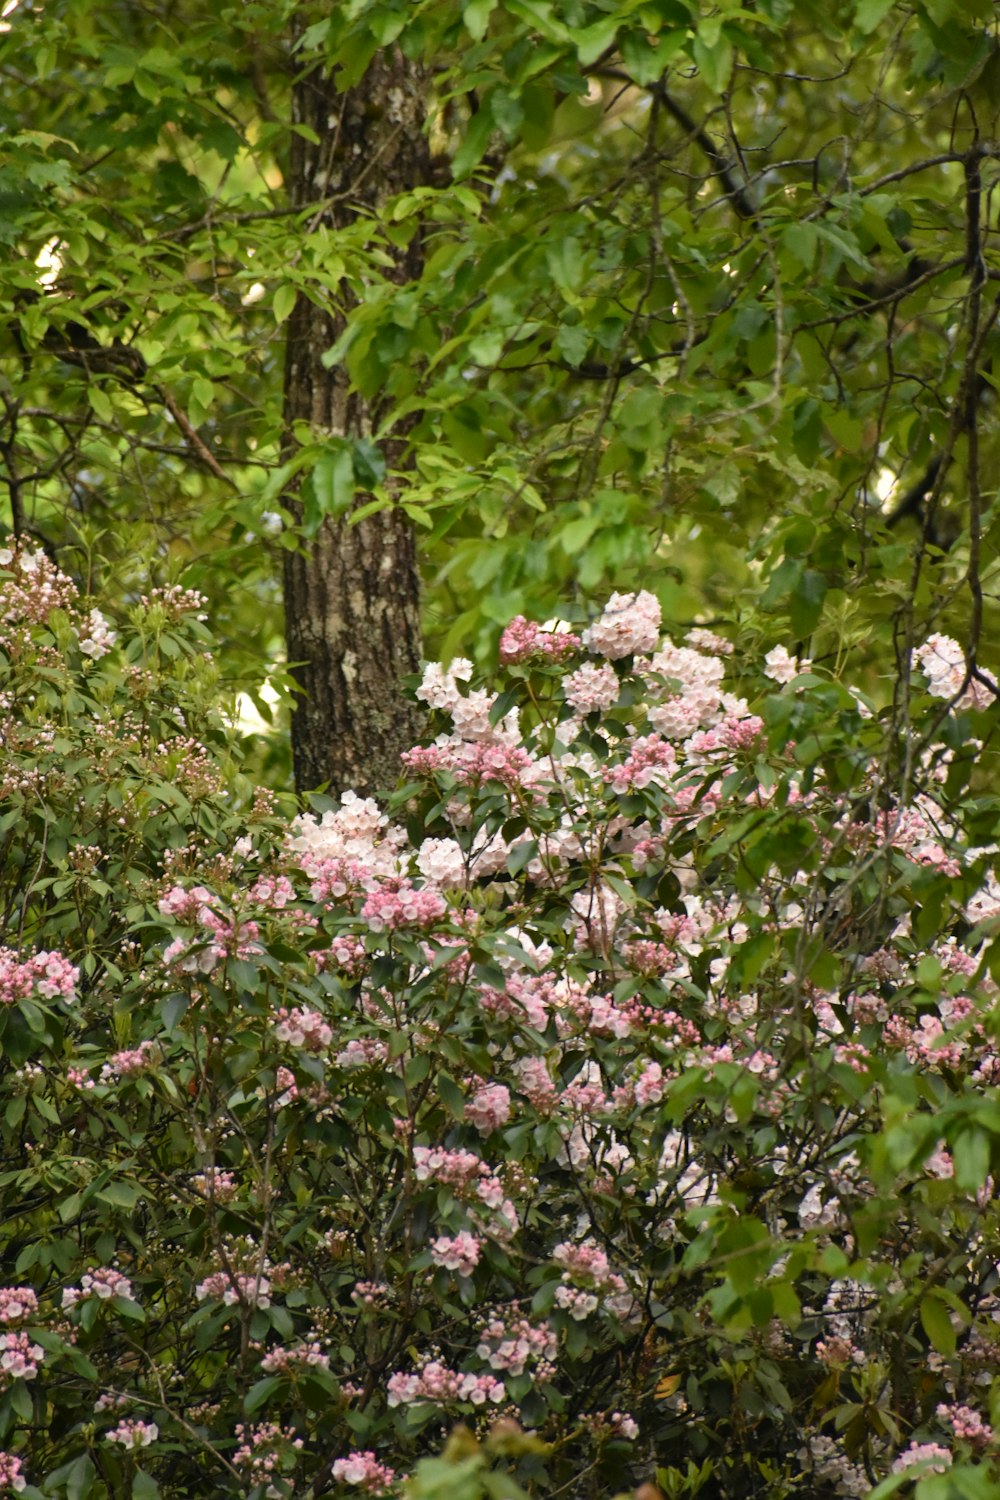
352, 609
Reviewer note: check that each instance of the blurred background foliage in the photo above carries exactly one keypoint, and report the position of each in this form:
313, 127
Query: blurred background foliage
708, 307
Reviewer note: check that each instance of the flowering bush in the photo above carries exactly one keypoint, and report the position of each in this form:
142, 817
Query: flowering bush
619, 1099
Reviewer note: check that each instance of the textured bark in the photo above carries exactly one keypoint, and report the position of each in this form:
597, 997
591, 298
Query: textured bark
352, 611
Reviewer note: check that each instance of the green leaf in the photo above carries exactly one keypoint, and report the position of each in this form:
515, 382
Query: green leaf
80, 1479
715, 62
573, 341
477, 135
172, 1011
369, 463
476, 17
892, 1483
451, 1096
486, 348
802, 241
20, 1400
937, 1325
333, 480
595, 39
119, 1195
144, 1486
99, 403
540, 14
971, 1154
869, 13
128, 1309
284, 300
258, 1395
565, 261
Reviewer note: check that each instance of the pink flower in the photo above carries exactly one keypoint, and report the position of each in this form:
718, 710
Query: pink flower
11, 1476
781, 667
303, 1028
966, 1423
931, 1456
214, 1184
130, 1063
592, 689
264, 1450
398, 903
20, 1359
104, 1282
363, 1469
300, 1357
460, 1253
649, 1085
512, 1346
17, 1303
134, 1435
629, 625
47, 975
247, 1288
489, 1107
434, 1381
523, 640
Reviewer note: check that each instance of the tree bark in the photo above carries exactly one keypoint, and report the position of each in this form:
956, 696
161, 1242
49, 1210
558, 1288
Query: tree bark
352, 608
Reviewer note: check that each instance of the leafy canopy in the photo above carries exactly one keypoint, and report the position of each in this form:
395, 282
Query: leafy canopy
706, 295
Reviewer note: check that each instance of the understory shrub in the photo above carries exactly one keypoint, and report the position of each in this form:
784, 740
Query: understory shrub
614, 1106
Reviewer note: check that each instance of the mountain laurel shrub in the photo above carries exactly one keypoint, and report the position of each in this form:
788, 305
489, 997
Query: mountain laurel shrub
616, 1107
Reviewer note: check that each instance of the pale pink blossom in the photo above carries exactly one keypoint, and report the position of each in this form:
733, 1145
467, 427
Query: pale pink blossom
133, 1434
103, 1283
17, 1303
629, 624
592, 689
489, 1107
20, 1359
11, 1473
363, 1469
781, 667
459, 1252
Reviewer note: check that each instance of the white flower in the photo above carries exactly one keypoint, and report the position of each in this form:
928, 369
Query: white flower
781, 667
442, 861
95, 636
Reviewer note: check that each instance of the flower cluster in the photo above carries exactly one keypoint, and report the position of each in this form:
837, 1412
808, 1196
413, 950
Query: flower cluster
48, 975
287, 1361
930, 1457
435, 1382
629, 625
264, 1451
647, 1022
174, 601
20, 1359
17, 1303
302, 1028
510, 1343
523, 640
11, 1473
246, 1288
459, 1252
95, 635
364, 1469
398, 903
133, 1434
102, 1283
215, 1184
33, 586
130, 1062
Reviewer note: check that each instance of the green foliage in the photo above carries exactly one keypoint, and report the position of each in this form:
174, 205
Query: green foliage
705, 307
624, 1094
702, 287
